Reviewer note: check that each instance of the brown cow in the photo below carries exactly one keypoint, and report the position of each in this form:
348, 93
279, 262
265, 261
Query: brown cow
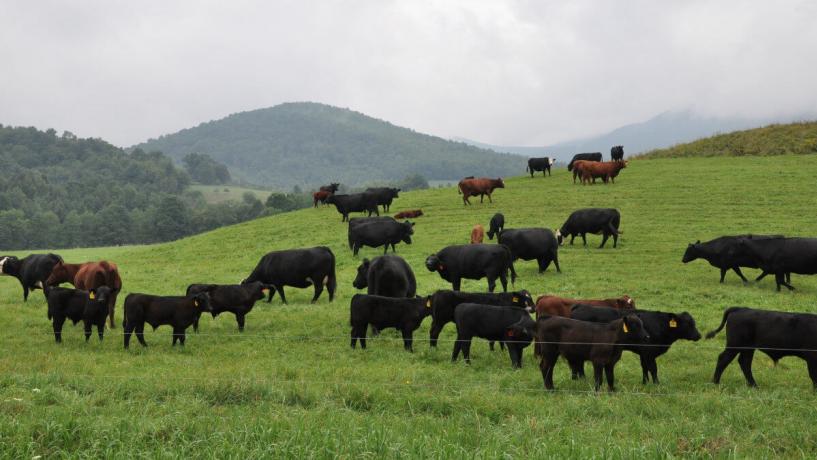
409, 214
89, 275
560, 306
483, 186
577, 169
321, 196
477, 234
607, 171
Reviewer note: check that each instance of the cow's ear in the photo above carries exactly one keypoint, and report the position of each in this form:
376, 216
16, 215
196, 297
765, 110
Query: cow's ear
673, 321
92, 294
698, 242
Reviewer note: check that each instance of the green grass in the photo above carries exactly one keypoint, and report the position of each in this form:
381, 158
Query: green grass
787, 139
214, 194
291, 386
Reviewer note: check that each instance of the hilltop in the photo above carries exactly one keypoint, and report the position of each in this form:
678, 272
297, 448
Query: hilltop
306, 144
776, 139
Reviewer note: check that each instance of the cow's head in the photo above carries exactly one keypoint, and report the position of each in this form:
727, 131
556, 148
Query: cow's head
633, 329
499, 183
692, 252
525, 299
361, 280
408, 230
626, 303
395, 192
59, 274
433, 263
97, 301
257, 290
201, 302
523, 330
9, 265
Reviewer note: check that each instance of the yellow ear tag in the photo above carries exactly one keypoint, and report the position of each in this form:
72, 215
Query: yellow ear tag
624, 326
673, 323
428, 303
516, 299
91, 296
196, 303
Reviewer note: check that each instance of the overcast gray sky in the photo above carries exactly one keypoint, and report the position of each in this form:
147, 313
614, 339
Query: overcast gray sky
504, 72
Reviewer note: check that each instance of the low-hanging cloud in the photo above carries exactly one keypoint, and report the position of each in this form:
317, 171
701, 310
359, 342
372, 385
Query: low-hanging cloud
514, 72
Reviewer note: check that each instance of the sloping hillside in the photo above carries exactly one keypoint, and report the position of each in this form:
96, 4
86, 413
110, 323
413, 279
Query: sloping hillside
307, 144
792, 138
290, 386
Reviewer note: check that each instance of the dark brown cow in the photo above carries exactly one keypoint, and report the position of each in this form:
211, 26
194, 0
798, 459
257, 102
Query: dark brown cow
483, 186
560, 306
320, 196
577, 169
477, 234
607, 170
411, 214
87, 276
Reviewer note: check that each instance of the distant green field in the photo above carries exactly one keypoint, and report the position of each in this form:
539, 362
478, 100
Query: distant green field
222, 193
290, 386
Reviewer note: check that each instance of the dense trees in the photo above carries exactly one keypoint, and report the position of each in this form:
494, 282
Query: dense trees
204, 170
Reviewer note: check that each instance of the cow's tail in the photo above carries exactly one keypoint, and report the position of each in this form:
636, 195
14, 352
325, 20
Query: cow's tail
331, 279
726, 314
513, 274
459, 189
527, 168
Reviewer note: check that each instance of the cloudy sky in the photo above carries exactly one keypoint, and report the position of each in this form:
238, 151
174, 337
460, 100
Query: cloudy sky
504, 72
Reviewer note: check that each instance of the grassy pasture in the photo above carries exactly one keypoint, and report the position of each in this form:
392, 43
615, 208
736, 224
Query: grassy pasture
215, 194
291, 386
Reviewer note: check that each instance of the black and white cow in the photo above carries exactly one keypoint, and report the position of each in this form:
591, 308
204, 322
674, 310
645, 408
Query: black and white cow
31, 271
540, 164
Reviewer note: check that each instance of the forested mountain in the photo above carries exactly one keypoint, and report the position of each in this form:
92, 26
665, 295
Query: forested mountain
62, 191
307, 144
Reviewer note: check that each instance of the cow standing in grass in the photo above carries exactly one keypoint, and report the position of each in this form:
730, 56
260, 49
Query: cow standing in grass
482, 186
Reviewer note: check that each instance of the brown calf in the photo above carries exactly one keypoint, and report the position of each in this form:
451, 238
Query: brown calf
606, 170
87, 276
483, 186
560, 306
321, 196
409, 214
477, 234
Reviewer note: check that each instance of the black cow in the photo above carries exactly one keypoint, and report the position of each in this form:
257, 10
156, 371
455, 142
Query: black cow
380, 233
540, 164
496, 225
381, 312
782, 256
355, 221
384, 196
617, 153
776, 333
473, 261
177, 312
91, 307
444, 303
726, 253
237, 299
596, 156
530, 244
663, 328
493, 323
355, 202
31, 271
591, 220
297, 268
388, 276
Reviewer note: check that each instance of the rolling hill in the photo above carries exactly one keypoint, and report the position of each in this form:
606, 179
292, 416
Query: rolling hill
290, 386
307, 144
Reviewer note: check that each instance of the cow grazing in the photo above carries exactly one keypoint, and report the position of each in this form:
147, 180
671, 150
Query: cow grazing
355, 202
617, 153
776, 333
388, 276
580, 341
404, 314
483, 186
551, 305
473, 261
726, 253
297, 268
320, 196
496, 225
410, 214
477, 234
355, 221
32, 271
540, 164
782, 256
177, 312
538, 244
331, 188
493, 323
237, 299
606, 171
380, 233
591, 220
384, 196
90, 307
444, 303
663, 328
596, 156
87, 276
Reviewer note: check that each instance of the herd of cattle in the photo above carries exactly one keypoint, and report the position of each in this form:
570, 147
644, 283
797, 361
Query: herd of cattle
579, 330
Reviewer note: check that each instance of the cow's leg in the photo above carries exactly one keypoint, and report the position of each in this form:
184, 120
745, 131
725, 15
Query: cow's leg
318, 289
812, 371
271, 293
598, 375
86, 325
723, 274
140, 334
355, 248
354, 337
181, 336
516, 355
25, 293
556, 261
615, 237
490, 200
745, 361
466, 350
127, 331
645, 370
780, 278
604, 237
280, 290
503, 278
491, 283
239, 318
57, 324
407, 339
111, 307
723, 360
436, 328
654, 370
491, 345
457, 348
362, 335
100, 328
455, 283
584, 238
762, 275
546, 366
610, 374
572, 237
